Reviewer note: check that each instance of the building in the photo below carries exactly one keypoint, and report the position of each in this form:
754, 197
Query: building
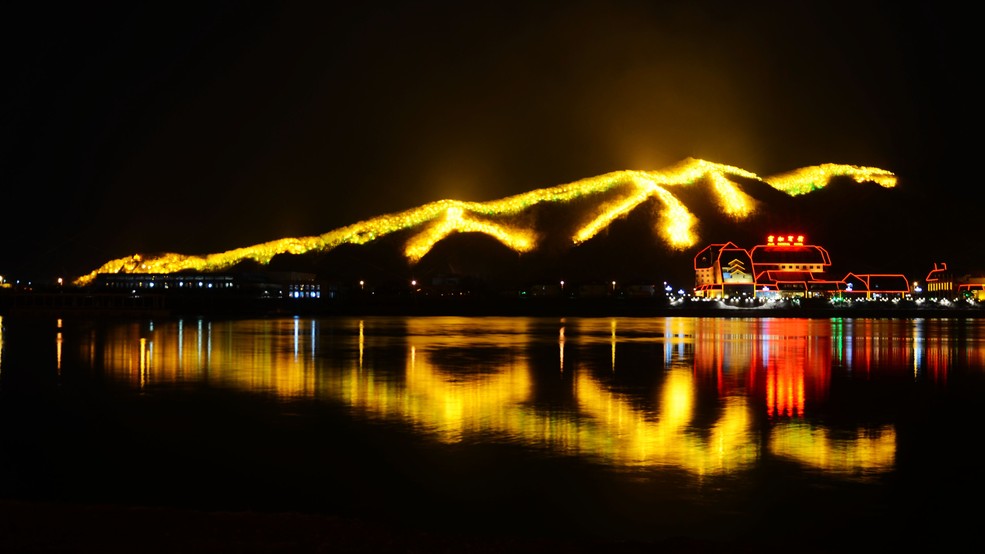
786, 266
724, 271
291, 285
943, 283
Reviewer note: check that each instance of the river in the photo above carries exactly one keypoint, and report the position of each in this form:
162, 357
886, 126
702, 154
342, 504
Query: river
794, 433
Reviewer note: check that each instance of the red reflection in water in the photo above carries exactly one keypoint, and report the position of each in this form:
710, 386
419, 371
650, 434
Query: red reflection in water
796, 363
788, 362
724, 350
785, 361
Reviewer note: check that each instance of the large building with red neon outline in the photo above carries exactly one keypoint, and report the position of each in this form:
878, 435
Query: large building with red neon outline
785, 267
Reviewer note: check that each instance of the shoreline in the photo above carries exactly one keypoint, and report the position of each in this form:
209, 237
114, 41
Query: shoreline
68, 303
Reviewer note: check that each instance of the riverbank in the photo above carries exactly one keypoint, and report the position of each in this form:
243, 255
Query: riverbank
70, 303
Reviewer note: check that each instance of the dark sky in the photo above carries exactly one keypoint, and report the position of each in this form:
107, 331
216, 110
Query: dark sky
204, 126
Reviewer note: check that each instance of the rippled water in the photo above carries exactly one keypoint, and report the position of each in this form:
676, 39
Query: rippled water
830, 432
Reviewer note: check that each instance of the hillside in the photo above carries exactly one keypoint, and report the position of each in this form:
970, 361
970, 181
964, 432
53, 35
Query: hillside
626, 226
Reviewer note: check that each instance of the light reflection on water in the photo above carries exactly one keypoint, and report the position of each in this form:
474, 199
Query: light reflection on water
787, 430
705, 395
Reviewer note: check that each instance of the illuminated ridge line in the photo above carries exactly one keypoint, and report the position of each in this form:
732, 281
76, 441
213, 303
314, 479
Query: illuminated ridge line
444, 217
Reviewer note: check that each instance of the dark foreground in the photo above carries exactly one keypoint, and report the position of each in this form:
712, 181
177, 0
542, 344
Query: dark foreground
67, 528
89, 467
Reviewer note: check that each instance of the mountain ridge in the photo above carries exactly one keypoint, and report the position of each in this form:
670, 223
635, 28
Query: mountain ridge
620, 225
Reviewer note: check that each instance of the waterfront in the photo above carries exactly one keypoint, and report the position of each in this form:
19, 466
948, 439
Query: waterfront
793, 434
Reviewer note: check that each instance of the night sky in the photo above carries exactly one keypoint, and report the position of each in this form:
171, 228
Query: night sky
206, 126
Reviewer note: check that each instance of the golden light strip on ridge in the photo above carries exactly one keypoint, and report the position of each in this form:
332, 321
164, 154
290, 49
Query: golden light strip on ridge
677, 220
455, 222
808, 179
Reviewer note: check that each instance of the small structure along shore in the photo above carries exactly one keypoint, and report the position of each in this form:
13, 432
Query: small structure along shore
86, 303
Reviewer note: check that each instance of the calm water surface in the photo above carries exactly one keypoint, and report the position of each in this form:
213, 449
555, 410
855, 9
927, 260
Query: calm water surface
840, 433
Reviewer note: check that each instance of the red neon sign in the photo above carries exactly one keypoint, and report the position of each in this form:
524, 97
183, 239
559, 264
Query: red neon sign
785, 240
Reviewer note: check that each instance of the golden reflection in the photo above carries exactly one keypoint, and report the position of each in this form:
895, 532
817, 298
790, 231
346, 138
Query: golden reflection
256, 355
867, 451
723, 390
504, 219
144, 362
789, 360
627, 434
560, 342
451, 406
613, 339
59, 340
